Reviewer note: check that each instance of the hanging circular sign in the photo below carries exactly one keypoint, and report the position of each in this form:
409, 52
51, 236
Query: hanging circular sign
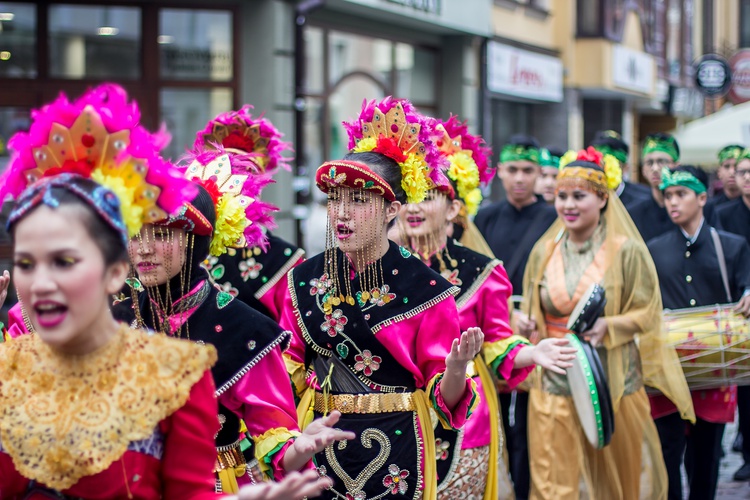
713, 76
740, 89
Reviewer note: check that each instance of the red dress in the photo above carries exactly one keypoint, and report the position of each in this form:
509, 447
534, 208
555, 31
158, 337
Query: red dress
176, 461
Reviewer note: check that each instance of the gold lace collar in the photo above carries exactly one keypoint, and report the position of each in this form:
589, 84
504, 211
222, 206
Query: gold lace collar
66, 417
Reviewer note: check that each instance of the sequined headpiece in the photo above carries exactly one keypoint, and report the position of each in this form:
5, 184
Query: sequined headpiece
102, 200
609, 142
591, 170
468, 161
519, 152
352, 174
255, 140
662, 142
99, 136
547, 159
728, 152
680, 178
393, 128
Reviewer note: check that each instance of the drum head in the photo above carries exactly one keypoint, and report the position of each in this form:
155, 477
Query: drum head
588, 309
605, 401
585, 394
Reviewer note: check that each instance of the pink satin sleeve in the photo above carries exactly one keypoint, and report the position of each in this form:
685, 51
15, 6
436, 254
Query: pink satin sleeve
488, 309
263, 399
275, 297
16, 325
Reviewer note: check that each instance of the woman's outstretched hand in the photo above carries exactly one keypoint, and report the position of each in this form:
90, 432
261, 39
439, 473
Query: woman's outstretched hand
294, 486
553, 354
319, 434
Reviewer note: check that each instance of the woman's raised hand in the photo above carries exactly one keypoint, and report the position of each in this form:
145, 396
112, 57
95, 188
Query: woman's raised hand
464, 350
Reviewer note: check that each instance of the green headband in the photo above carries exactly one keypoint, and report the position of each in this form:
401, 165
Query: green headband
517, 152
665, 146
730, 152
680, 178
547, 159
621, 155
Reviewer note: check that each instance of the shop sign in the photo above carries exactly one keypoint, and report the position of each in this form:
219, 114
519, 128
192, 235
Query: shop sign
713, 76
450, 16
739, 65
432, 6
522, 73
632, 70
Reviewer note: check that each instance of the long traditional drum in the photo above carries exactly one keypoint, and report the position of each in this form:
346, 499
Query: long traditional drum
713, 344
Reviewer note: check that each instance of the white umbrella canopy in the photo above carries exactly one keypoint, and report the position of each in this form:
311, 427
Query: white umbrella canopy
701, 139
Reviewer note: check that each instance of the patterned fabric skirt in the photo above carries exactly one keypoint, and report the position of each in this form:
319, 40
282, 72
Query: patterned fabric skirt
470, 478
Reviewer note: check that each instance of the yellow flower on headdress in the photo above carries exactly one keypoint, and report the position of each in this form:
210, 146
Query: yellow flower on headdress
414, 179
473, 200
613, 171
365, 145
464, 172
230, 224
132, 214
568, 157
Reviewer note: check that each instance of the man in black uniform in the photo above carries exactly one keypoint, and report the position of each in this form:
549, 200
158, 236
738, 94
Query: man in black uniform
609, 142
728, 158
734, 217
511, 228
660, 151
687, 258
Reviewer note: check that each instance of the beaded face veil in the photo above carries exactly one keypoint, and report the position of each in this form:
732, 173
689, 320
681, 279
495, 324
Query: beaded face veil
398, 161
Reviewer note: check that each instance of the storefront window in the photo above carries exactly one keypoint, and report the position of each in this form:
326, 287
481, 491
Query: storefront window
350, 53
17, 40
415, 74
12, 120
185, 111
195, 44
94, 42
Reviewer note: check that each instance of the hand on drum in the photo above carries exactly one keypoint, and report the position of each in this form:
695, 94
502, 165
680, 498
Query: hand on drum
294, 486
464, 350
596, 333
553, 354
743, 306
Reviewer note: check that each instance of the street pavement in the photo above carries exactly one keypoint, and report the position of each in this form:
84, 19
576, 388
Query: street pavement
729, 489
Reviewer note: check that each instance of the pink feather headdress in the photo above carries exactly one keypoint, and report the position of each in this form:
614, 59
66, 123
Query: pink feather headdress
254, 138
393, 127
236, 155
98, 136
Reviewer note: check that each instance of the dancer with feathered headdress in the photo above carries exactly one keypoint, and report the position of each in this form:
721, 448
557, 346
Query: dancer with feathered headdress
378, 328
255, 274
